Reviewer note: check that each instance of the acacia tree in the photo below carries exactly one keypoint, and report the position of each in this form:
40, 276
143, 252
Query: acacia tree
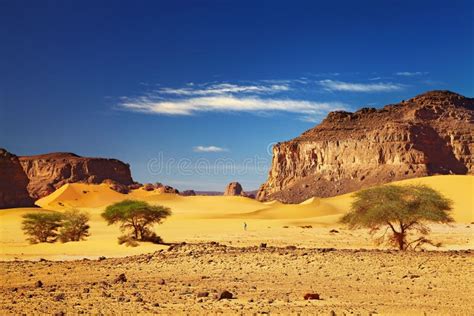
400, 211
42, 226
75, 226
137, 217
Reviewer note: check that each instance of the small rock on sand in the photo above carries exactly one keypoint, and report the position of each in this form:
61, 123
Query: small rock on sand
225, 295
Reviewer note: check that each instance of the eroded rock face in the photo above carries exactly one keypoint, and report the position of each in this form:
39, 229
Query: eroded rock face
233, 188
49, 172
13, 182
430, 134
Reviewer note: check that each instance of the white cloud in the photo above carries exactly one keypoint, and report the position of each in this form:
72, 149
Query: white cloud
227, 103
411, 74
208, 149
225, 88
333, 85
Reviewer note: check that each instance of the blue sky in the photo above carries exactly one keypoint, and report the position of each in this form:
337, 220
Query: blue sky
193, 93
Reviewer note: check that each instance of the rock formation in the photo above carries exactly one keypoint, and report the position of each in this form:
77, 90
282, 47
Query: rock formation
48, 172
13, 182
160, 188
233, 188
188, 193
429, 134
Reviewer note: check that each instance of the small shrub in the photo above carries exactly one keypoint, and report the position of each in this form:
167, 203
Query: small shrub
129, 241
153, 238
42, 226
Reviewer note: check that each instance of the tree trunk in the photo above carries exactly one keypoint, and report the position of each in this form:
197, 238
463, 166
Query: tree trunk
401, 240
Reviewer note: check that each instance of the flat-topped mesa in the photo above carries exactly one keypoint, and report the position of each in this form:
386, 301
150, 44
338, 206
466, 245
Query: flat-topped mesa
429, 134
48, 172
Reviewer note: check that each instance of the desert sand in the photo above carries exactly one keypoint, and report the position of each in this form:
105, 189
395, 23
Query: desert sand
221, 219
286, 252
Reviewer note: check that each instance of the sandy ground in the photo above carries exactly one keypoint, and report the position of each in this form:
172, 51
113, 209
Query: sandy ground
221, 218
262, 281
341, 265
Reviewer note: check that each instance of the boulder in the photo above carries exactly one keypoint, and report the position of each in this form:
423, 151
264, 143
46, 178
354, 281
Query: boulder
311, 296
233, 189
226, 295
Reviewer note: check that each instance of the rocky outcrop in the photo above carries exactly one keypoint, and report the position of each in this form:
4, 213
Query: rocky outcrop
160, 188
429, 134
48, 172
13, 182
233, 188
188, 193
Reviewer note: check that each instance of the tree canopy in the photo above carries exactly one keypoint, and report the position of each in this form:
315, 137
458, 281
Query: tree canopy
400, 209
42, 226
75, 226
137, 216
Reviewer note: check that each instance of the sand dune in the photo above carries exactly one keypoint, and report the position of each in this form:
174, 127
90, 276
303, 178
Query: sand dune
221, 218
458, 188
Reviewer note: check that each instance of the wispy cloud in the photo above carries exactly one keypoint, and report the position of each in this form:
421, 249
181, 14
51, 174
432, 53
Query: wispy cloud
333, 85
411, 74
263, 98
227, 103
225, 88
208, 149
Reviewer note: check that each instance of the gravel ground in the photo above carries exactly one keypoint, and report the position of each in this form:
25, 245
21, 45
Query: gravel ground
191, 278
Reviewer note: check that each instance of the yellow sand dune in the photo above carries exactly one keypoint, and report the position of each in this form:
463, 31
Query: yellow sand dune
219, 218
456, 187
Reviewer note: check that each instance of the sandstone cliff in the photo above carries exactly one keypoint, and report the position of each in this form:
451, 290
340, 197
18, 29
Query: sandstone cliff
13, 182
429, 134
48, 172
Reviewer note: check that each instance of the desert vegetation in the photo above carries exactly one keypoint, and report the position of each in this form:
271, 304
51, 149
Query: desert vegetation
75, 226
50, 226
400, 212
136, 219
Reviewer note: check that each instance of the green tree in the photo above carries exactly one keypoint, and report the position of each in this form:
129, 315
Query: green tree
400, 211
42, 226
138, 217
75, 226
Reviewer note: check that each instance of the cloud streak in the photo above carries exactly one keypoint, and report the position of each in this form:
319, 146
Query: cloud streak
225, 88
410, 74
209, 149
227, 103
258, 98
332, 85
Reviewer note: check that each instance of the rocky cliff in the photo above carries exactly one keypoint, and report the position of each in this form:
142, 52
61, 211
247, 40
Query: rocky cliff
429, 134
13, 182
48, 172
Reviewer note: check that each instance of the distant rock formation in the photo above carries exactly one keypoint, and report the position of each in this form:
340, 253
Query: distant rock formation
233, 188
160, 188
168, 189
13, 182
429, 134
48, 172
188, 193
